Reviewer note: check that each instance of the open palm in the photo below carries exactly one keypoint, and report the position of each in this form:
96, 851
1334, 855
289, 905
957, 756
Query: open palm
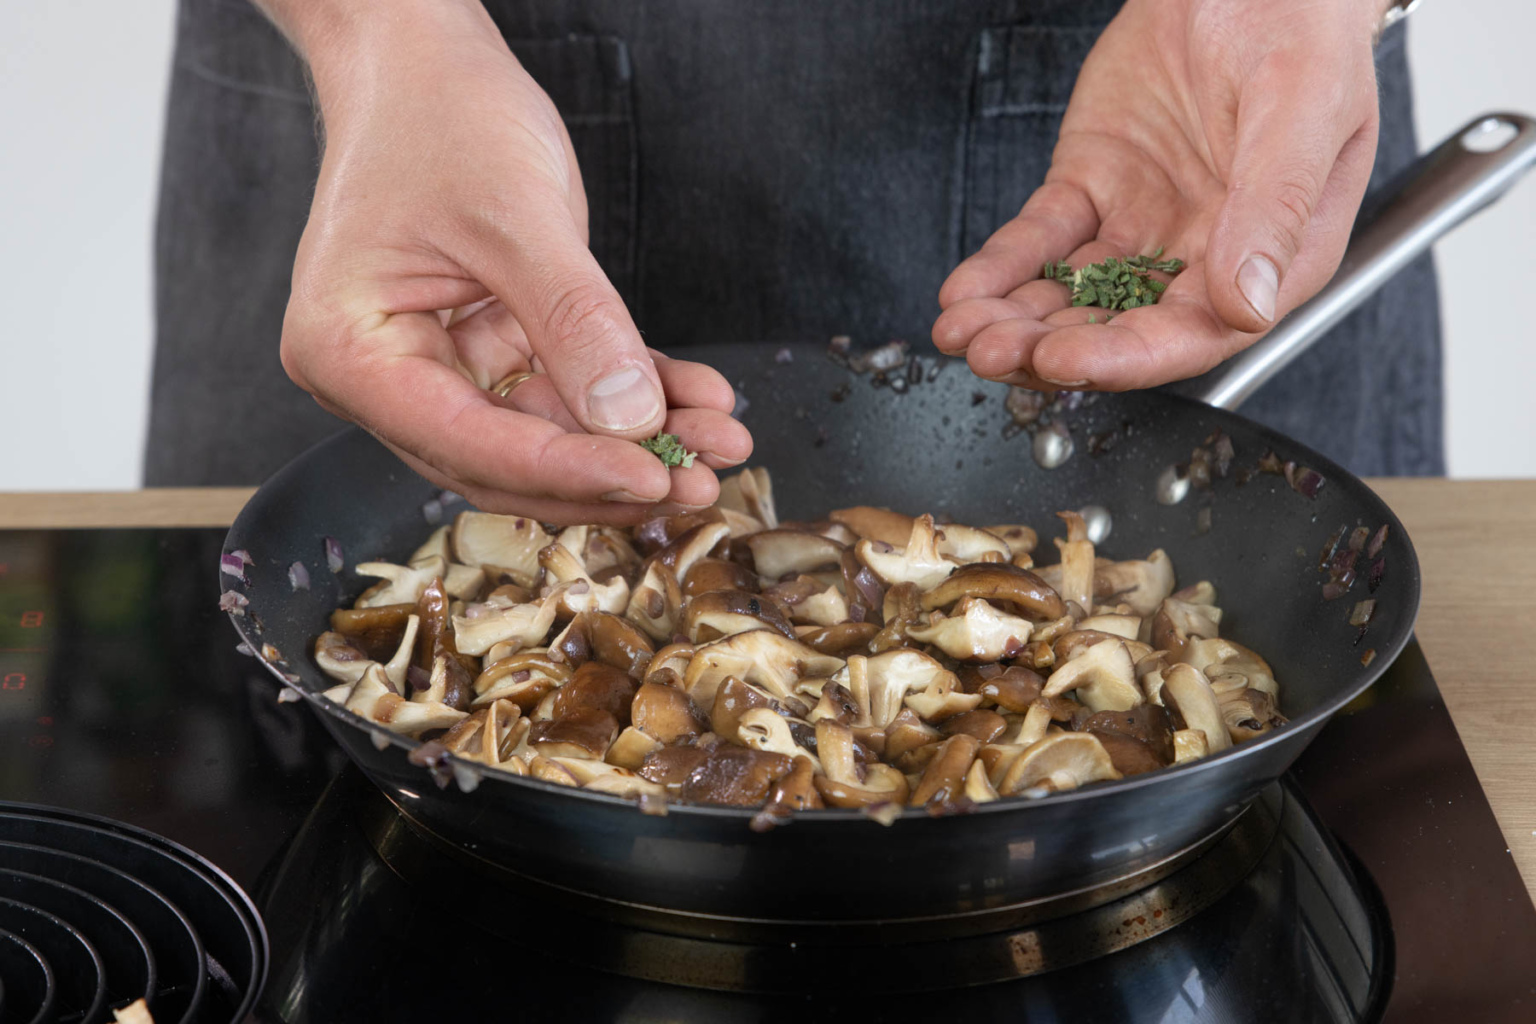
1237, 136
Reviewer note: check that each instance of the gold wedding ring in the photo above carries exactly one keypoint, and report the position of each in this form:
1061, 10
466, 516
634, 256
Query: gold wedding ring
509, 383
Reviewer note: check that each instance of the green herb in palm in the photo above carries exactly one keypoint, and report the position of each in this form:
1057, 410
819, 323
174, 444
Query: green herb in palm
669, 449
1115, 284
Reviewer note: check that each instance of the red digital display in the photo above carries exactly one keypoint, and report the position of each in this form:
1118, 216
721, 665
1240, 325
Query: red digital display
14, 681
31, 620
4, 568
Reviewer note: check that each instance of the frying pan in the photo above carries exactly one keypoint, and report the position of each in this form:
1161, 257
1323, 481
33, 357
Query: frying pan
940, 446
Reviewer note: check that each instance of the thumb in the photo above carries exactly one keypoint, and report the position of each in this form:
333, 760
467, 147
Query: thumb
576, 323
1286, 165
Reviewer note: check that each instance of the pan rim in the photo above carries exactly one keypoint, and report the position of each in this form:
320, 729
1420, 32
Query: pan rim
1311, 720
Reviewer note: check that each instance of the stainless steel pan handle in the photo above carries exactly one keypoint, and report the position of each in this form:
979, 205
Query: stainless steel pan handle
1465, 173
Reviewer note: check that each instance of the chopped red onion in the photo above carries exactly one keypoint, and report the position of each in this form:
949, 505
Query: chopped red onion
450, 497
1361, 614
244, 648
1335, 589
298, 576
433, 756
1326, 558
287, 695
1305, 481
1342, 562
522, 675
1368, 657
232, 602
244, 556
232, 565
1374, 575
579, 587
783, 356
1358, 537
1377, 540
270, 653
476, 610
1024, 405
467, 776
885, 813
334, 559
890, 356
432, 511
418, 678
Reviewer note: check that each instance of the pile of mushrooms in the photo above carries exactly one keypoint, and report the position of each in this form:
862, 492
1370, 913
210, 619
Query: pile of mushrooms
871, 660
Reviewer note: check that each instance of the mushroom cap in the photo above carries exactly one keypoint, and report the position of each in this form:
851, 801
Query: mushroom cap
523, 678
401, 584
879, 524
1061, 761
668, 665
982, 724
656, 602
666, 713
722, 613
525, 625
996, 582
1248, 713
840, 640
736, 776
596, 685
1188, 692
1228, 665
718, 574
750, 491
766, 729
1103, 676
760, 656
340, 657
776, 553
1176, 622
1148, 724
919, 562
1013, 689
585, 732
976, 632
943, 781
510, 543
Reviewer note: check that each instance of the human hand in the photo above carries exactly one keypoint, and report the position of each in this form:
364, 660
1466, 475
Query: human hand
449, 184
1238, 136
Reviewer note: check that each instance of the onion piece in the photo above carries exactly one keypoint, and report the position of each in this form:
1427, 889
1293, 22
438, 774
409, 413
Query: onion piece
432, 511
1374, 547
334, 559
418, 678
286, 695
1358, 537
298, 576
244, 648
1377, 571
433, 756
232, 602
1361, 614
232, 565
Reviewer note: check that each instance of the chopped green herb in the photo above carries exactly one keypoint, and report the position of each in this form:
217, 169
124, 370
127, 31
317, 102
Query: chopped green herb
669, 449
1115, 284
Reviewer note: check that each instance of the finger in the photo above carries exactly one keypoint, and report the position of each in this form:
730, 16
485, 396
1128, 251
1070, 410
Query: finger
1057, 218
532, 256
958, 325
693, 385
1289, 139
720, 441
490, 343
392, 379
543, 509
1005, 349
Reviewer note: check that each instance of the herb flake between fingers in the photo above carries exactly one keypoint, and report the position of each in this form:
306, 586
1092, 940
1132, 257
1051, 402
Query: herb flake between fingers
1115, 284
669, 449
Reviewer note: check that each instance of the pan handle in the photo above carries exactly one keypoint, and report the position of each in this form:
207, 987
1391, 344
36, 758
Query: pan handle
1465, 173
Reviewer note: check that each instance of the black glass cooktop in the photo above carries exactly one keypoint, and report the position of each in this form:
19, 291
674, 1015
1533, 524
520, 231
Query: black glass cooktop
1381, 886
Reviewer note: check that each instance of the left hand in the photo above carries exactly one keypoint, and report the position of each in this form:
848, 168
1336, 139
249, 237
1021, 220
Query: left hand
1237, 135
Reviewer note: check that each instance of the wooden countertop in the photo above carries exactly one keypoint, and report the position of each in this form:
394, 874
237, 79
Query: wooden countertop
1476, 542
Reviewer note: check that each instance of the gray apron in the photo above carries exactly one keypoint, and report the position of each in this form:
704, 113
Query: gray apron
781, 171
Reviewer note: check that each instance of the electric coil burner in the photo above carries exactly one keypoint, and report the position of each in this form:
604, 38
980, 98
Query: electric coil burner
1371, 884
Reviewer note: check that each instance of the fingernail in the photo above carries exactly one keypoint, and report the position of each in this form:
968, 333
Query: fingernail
1066, 383
1259, 282
672, 508
629, 496
623, 400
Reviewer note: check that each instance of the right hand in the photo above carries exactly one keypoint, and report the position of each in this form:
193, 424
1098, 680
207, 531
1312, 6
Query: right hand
449, 183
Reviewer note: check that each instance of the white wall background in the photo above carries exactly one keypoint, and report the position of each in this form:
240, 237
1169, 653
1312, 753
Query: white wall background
81, 96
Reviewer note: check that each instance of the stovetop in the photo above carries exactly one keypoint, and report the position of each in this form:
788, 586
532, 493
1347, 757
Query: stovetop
1383, 891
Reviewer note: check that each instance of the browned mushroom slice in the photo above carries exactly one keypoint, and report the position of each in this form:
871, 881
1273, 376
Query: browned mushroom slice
669, 665
595, 685
808, 600
402, 584
1128, 755
750, 491
919, 562
1021, 540
1176, 623
630, 748
760, 656
484, 736
1103, 676
880, 684
780, 552
722, 613
975, 631
1231, 666
1125, 626
341, 657
718, 574
1014, 689
510, 543
734, 698
374, 699
1064, 761
656, 604
982, 724
967, 544
1189, 745
766, 729
448, 683
693, 546
481, 626
997, 583
880, 524
840, 640
1070, 645
1148, 724
666, 713
607, 551
654, 535
943, 781
1187, 692
902, 610
396, 667
1141, 584
523, 678
601, 777
978, 787
671, 766
569, 583
847, 783
736, 776
376, 630
906, 733
1248, 713
796, 791
862, 589
584, 732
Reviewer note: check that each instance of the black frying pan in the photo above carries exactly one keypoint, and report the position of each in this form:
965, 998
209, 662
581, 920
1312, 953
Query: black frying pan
930, 449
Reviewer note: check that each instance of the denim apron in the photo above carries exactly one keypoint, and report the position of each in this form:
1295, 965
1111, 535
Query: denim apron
770, 171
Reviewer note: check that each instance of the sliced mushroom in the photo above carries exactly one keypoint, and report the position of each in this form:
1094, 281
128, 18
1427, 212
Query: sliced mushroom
985, 726
1176, 623
795, 791
1189, 745
601, 777
509, 543
656, 603
906, 733
607, 551
573, 587
780, 552
1077, 562
669, 665
585, 732
610, 639
376, 630
1124, 626
1248, 713
967, 544
718, 574
524, 625
978, 788
448, 683
919, 562
1148, 724
734, 698
760, 656
630, 748
879, 524
666, 713
997, 583
1231, 666
976, 632
943, 783
766, 729
845, 784
1016, 688
1021, 540
1103, 676
340, 657
671, 766
402, 584
486, 735
1187, 692
737, 776
1141, 584
1070, 645
880, 684
840, 640
373, 698
1129, 755
595, 685
722, 613
523, 678
396, 668
750, 491
1064, 761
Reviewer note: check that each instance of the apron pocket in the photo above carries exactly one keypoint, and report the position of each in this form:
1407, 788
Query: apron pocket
1019, 90
590, 80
